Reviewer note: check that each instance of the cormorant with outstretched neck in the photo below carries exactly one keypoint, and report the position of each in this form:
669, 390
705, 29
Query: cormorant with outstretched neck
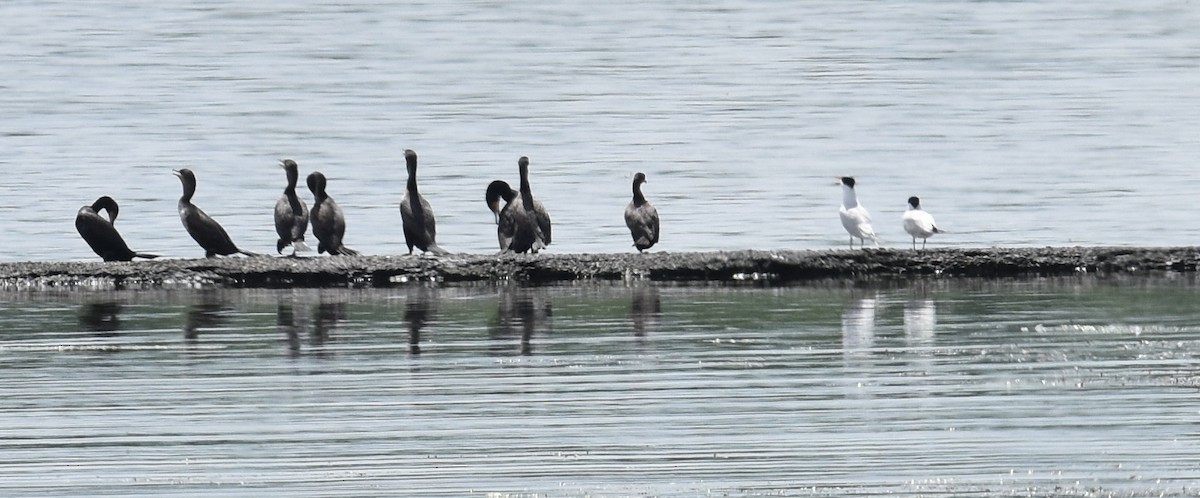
524, 223
101, 234
506, 226
416, 215
641, 217
205, 230
327, 221
291, 213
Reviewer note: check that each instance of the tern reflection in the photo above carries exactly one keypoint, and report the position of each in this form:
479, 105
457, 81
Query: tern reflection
644, 309
858, 327
521, 311
419, 308
920, 320
103, 317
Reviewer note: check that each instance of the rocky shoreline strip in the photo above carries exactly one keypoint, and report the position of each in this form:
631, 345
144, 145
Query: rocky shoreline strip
724, 266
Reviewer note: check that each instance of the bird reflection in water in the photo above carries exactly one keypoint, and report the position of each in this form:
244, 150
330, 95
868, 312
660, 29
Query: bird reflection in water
102, 317
858, 327
285, 321
205, 313
325, 323
644, 309
920, 320
420, 306
521, 312
294, 319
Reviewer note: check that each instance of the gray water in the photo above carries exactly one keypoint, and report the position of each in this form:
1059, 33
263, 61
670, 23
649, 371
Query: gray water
1081, 386
1021, 123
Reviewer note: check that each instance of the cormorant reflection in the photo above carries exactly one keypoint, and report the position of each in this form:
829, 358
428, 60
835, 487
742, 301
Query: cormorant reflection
644, 309
285, 321
204, 313
521, 311
103, 317
328, 315
419, 308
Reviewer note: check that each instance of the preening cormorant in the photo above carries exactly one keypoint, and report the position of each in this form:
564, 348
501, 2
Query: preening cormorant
101, 234
855, 217
918, 222
641, 217
523, 224
205, 230
327, 221
416, 215
291, 213
505, 224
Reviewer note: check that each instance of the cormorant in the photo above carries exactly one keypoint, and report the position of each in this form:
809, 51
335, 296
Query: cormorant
291, 213
641, 217
523, 224
205, 230
918, 223
416, 215
854, 216
101, 234
505, 224
327, 221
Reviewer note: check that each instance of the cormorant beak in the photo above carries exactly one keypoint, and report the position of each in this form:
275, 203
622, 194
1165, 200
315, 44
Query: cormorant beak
281, 164
177, 173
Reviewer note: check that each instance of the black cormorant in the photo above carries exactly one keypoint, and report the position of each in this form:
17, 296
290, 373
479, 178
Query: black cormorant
416, 215
537, 212
327, 221
523, 224
641, 217
291, 213
505, 224
205, 230
101, 234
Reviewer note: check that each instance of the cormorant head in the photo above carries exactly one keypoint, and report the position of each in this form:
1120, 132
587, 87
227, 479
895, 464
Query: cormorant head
316, 183
497, 190
188, 179
914, 202
410, 159
639, 177
848, 181
292, 169
108, 204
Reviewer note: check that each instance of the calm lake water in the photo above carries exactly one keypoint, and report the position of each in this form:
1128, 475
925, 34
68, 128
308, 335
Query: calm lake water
1080, 386
1019, 123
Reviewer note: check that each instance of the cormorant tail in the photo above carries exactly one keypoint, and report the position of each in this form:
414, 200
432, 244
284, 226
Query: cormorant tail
346, 251
144, 255
437, 250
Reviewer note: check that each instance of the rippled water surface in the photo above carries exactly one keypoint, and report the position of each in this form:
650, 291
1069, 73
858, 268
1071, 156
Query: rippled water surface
1076, 386
1018, 123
